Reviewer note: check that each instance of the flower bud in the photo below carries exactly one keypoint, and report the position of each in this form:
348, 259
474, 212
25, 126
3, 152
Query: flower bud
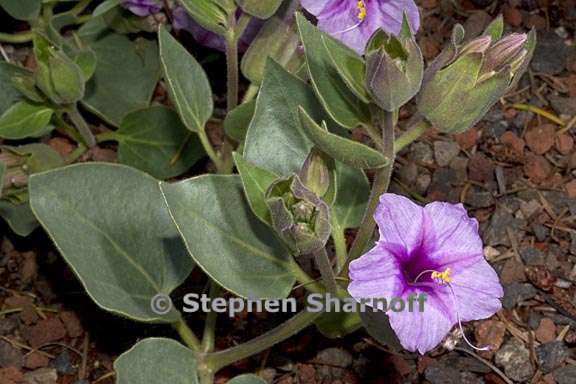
458, 95
299, 217
317, 173
394, 69
504, 52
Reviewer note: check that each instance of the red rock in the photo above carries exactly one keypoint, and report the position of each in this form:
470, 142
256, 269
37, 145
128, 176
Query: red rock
11, 375
467, 139
571, 188
564, 143
535, 21
61, 145
72, 324
546, 331
512, 272
429, 4
490, 332
480, 168
28, 314
541, 138
537, 168
571, 84
36, 360
512, 140
512, 16
46, 331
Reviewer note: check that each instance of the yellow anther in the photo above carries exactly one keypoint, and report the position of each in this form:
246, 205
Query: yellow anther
443, 276
361, 10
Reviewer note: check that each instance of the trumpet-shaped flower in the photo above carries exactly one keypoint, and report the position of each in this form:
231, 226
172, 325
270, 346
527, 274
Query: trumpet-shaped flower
433, 250
143, 7
354, 21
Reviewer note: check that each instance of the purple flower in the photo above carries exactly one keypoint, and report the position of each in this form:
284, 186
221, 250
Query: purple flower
433, 250
182, 21
353, 22
142, 7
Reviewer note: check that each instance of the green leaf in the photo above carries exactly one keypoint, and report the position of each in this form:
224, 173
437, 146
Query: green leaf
340, 103
210, 14
349, 152
125, 77
275, 139
338, 324
238, 120
256, 181
495, 29
378, 326
349, 66
187, 83
277, 40
155, 141
86, 59
226, 240
105, 6
39, 157
25, 119
8, 93
247, 378
2, 171
111, 226
262, 9
156, 360
22, 9
352, 196
19, 217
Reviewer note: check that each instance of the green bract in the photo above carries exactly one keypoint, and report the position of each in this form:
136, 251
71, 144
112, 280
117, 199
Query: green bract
458, 95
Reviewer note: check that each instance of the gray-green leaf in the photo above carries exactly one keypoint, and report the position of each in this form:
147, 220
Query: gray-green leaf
111, 226
351, 197
187, 82
349, 152
25, 119
256, 181
247, 378
22, 9
155, 141
275, 139
340, 103
238, 120
156, 360
19, 217
125, 77
226, 240
262, 9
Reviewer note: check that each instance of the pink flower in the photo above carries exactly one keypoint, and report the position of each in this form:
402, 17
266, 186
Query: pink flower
354, 21
433, 250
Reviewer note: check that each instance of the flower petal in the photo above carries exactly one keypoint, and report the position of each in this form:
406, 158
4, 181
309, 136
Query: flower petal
400, 222
388, 15
316, 7
375, 275
477, 290
451, 236
422, 331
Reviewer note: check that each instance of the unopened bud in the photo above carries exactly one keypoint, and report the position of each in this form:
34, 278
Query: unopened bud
479, 45
316, 173
303, 211
504, 52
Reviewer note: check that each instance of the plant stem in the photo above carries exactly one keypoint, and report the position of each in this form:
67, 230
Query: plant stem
303, 278
380, 186
17, 38
81, 125
413, 133
187, 335
250, 93
218, 360
326, 271
208, 147
339, 244
76, 154
208, 337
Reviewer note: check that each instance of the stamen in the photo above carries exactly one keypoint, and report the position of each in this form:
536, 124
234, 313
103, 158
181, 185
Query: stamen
361, 16
444, 278
361, 10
